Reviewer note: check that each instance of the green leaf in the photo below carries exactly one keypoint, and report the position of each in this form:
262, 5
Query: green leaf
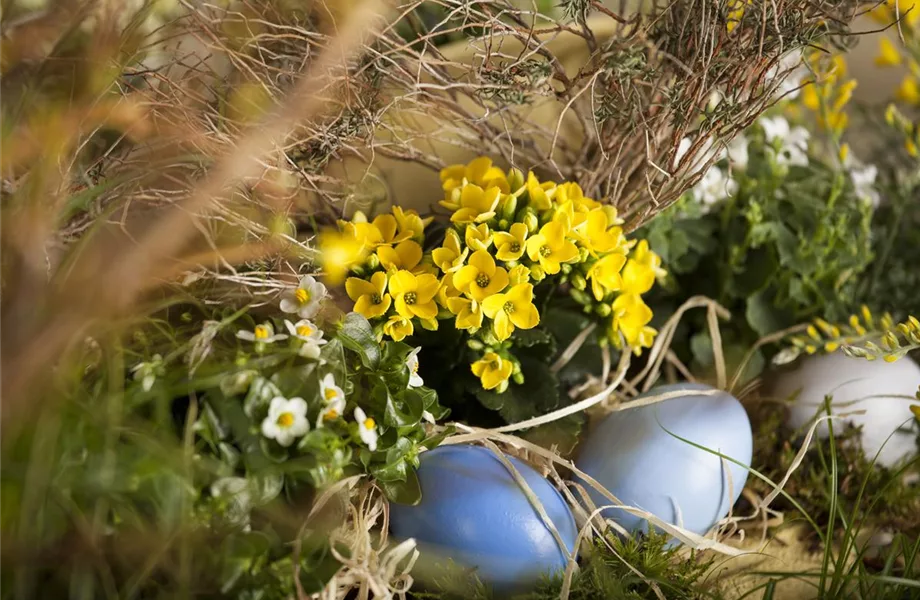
403, 492
490, 399
404, 410
357, 335
761, 315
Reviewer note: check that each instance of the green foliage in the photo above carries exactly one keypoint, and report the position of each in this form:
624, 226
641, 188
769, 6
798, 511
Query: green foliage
604, 573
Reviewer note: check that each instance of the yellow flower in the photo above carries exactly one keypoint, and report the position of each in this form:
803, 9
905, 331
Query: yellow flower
414, 294
519, 274
605, 274
572, 192
481, 278
492, 370
398, 327
630, 317
810, 97
594, 234
539, 193
510, 246
447, 291
889, 55
410, 223
478, 237
514, 309
640, 272
366, 233
550, 247
450, 257
369, 296
909, 90
407, 255
387, 226
339, 251
477, 205
469, 312
479, 172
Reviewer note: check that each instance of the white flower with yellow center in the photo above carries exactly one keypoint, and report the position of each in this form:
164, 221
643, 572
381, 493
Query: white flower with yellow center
330, 391
332, 411
415, 380
367, 429
262, 334
305, 299
286, 420
310, 336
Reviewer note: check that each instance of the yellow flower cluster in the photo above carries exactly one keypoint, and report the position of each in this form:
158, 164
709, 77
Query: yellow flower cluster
507, 235
894, 53
829, 94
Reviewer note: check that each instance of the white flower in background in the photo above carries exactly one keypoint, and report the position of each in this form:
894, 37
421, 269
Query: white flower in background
262, 334
330, 391
237, 383
738, 152
236, 491
305, 299
793, 150
367, 429
427, 416
333, 410
863, 178
286, 420
708, 151
415, 380
309, 334
146, 372
793, 65
714, 187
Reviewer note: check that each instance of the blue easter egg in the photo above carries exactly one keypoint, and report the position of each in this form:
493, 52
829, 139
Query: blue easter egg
633, 455
473, 512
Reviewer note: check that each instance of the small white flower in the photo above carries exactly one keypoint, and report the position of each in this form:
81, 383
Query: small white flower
707, 152
367, 429
286, 420
794, 70
714, 187
262, 334
146, 372
774, 127
329, 391
863, 177
305, 299
333, 410
309, 334
738, 152
415, 380
236, 491
793, 150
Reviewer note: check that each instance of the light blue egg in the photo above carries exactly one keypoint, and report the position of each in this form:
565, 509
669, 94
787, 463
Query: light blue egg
632, 454
474, 513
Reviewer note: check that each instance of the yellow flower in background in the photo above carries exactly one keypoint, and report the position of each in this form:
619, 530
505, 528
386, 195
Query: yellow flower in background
492, 370
510, 310
388, 228
630, 317
450, 257
407, 255
370, 297
596, 235
414, 294
477, 205
339, 251
539, 193
478, 237
398, 327
572, 192
481, 278
519, 274
887, 12
889, 55
909, 90
550, 248
605, 275
411, 225
510, 246
469, 312
366, 233
480, 172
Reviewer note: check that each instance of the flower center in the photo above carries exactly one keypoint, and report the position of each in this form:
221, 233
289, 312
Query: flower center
302, 295
304, 330
331, 414
376, 299
515, 247
261, 332
545, 250
508, 307
285, 419
369, 423
330, 393
415, 367
482, 280
410, 298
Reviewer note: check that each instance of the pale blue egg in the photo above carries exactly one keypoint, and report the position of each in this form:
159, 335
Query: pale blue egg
473, 512
633, 455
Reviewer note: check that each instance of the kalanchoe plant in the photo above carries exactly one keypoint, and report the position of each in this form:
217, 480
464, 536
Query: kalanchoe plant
514, 247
